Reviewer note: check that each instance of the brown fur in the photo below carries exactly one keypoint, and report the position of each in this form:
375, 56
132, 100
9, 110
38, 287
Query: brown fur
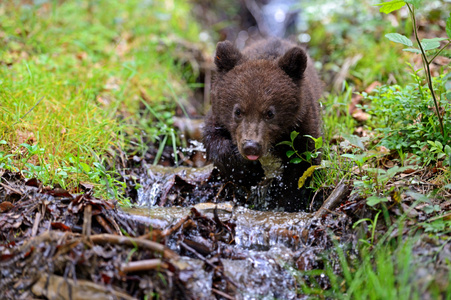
259, 97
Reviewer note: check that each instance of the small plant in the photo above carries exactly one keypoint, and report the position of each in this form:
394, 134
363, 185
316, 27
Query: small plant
371, 226
441, 152
306, 156
406, 122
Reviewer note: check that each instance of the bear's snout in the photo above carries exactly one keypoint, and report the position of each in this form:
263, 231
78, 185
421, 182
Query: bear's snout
252, 150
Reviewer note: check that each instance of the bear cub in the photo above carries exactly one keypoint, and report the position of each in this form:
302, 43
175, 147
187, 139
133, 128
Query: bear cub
258, 97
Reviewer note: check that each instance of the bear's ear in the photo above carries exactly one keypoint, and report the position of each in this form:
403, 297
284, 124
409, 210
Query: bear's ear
227, 56
294, 63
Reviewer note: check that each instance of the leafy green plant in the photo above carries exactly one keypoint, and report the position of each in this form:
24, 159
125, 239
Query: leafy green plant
359, 159
306, 156
440, 152
405, 121
422, 48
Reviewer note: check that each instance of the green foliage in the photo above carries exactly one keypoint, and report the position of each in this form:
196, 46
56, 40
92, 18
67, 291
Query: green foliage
386, 272
406, 122
388, 7
372, 226
399, 38
306, 156
95, 63
438, 226
422, 47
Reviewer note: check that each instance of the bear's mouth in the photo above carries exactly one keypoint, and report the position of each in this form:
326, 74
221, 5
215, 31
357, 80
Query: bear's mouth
252, 157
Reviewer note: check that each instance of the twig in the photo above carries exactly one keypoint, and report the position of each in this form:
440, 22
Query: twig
256, 12
208, 263
134, 242
143, 265
438, 52
222, 294
104, 224
221, 189
87, 220
20, 119
313, 199
37, 220
11, 189
333, 200
113, 222
171, 230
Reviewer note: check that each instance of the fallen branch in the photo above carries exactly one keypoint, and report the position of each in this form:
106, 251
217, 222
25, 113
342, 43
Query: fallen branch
143, 265
104, 224
333, 200
134, 242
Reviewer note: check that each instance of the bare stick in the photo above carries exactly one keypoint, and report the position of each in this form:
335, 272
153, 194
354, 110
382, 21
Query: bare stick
87, 220
333, 200
134, 242
11, 189
171, 230
427, 71
104, 224
143, 265
37, 220
222, 294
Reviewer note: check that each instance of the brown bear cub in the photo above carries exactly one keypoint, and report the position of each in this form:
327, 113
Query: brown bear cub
258, 98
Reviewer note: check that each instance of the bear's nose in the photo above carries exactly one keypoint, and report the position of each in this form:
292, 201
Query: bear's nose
252, 150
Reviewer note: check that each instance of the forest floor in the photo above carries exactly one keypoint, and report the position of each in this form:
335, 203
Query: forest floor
94, 131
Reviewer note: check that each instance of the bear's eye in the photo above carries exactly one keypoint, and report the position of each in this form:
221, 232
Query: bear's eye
238, 113
269, 114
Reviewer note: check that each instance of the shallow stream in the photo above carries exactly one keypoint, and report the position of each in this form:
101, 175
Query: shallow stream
258, 254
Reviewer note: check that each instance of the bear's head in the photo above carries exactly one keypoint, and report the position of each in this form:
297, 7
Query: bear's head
258, 101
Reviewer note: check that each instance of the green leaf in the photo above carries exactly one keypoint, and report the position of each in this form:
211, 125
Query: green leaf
399, 38
448, 149
285, 143
448, 26
388, 7
373, 200
290, 153
431, 208
429, 44
412, 50
293, 135
85, 167
418, 197
349, 155
355, 140
29, 147
318, 142
296, 160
